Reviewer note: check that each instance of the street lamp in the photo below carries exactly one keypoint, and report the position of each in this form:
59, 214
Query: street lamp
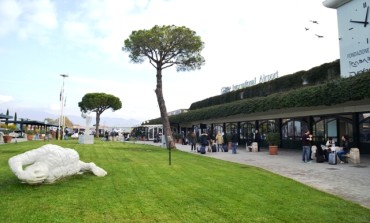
62, 104
46, 136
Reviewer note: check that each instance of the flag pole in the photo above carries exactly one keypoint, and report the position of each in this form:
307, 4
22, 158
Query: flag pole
61, 119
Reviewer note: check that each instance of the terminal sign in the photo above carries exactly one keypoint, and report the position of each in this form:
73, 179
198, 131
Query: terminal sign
249, 83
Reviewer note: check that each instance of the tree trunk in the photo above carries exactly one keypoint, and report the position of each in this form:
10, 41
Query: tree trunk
163, 110
97, 121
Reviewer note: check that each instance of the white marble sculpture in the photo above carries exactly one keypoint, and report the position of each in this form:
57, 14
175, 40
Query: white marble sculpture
50, 163
88, 119
86, 138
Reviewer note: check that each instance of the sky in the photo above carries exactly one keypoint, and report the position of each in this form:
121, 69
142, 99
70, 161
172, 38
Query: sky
42, 39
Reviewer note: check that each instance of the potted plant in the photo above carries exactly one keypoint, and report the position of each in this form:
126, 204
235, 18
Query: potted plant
7, 138
42, 133
273, 140
30, 134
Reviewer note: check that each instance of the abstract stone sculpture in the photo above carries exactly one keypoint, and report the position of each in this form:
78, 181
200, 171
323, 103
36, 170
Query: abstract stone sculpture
50, 163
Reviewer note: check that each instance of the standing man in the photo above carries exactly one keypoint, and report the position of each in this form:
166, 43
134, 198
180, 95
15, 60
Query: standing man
306, 144
257, 138
234, 142
193, 140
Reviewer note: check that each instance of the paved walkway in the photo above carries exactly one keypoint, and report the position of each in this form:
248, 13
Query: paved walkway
349, 181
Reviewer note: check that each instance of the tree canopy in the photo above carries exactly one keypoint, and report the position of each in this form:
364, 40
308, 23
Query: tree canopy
165, 46
99, 102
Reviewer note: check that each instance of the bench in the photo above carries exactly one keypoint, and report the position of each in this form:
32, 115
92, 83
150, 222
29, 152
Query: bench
354, 156
253, 147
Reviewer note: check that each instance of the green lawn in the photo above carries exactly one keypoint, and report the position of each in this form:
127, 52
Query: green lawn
141, 186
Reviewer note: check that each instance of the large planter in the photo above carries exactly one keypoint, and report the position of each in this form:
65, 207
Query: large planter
30, 137
7, 139
273, 150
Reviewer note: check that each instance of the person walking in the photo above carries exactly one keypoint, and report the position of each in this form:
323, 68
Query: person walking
306, 146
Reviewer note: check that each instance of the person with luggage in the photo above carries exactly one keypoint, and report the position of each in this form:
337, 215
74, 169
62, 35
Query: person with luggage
203, 139
345, 148
306, 145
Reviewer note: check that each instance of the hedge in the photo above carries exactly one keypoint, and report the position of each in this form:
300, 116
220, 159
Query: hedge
317, 75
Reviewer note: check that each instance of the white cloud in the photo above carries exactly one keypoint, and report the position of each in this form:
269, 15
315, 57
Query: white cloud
5, 99
9, 14
30, 19
54, 108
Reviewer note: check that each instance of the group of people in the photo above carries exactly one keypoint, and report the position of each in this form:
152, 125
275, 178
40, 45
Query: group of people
205, 140
220, 140
341, 152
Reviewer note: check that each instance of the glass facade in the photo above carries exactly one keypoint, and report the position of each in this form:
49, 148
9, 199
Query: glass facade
355, 125
364, 120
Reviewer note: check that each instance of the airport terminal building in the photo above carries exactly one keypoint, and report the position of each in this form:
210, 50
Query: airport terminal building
319, 100
330, 100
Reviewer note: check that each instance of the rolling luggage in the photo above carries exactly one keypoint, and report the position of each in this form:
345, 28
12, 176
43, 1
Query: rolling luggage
214, 148
333, 158
320, 158
320, 155
224, 146
202, 150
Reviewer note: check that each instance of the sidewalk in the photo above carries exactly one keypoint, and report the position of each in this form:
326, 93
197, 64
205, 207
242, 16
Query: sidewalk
349, 181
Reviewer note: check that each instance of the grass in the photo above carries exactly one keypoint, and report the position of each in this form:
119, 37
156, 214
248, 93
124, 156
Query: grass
142, 187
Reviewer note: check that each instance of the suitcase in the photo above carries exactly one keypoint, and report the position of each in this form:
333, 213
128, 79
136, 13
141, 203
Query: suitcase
202, 150
214, 148
224, 146
320, 158
320, 155
333, 158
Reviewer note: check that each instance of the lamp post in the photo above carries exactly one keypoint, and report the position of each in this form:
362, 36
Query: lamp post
46, 137
62, 104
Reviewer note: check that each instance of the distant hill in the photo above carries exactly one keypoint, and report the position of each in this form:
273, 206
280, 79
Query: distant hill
76, 120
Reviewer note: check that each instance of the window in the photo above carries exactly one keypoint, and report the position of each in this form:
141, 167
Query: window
364, 127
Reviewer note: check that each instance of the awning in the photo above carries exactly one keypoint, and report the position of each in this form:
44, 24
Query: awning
4, 117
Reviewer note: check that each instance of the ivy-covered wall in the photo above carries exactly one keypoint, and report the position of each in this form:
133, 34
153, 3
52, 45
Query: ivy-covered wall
317, 75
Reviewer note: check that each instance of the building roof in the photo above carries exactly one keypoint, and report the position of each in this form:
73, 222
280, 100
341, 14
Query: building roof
31, 122
2, 116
